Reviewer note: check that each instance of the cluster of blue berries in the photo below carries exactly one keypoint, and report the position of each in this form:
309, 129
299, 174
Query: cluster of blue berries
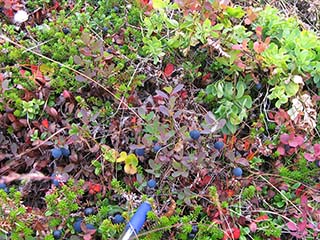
116, 219
140, 151
193, 232
58, 152
195, 135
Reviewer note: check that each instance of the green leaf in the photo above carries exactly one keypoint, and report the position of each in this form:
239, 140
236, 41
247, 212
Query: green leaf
217, 27
219, 89
132, 159
240, 89
236, 12
281, 101
246, 101
292, 89
48, 213
228, 90
160, 4
206, 24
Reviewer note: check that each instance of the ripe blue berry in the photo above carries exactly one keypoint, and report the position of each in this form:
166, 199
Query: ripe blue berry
156, 147
194, 134
88, 211
105, 29
218, 145
57, 234
77, 225
3, 186
139, 151
152, 183
65, 152
56, 182
56, 153
65, 30
191, 235
237, 172
90, 226
117, 219
194, 229
258, 86
116, 9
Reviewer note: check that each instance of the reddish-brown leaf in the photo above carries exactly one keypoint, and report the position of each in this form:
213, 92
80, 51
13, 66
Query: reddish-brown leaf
45, 123
168, 70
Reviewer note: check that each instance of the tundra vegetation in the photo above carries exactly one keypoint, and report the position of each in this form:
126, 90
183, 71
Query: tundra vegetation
206, 109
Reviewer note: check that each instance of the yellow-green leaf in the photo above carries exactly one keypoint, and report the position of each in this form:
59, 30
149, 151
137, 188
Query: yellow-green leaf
132, 159
45, 69
168, 89
122, 157
130, 169
160, 4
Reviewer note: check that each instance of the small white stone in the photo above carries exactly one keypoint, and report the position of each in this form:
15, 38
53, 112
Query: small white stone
20, 16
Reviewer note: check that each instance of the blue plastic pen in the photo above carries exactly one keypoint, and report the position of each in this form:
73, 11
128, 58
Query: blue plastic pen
136, 222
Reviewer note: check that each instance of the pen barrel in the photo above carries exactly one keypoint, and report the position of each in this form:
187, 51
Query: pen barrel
136, 222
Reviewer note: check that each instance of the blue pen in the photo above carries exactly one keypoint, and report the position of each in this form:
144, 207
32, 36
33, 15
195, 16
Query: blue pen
136, 222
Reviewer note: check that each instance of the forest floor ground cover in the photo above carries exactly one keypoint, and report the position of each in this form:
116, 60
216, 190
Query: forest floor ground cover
206, 109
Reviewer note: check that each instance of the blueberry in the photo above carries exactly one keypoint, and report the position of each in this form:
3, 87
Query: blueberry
286, 147
88, 211
65, 30
56, 182
116, 9
258, 86
3, 186
152, 183
194, 134
77, 225
218, 145
117, 219
191, 235
194, 229
237, 172
105, 30
90, 226
57, 234
65, 152
156, 147
139, 151
56, 152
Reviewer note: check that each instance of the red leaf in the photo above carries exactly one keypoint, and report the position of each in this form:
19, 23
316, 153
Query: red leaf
242, 161
295, 141
259, 32
309, 157
237, 47
168, 70
66, 94
284, 138
45, 123
253, 227
206, 77
299, 190
262, 218
233, 233
304, 200
316, 148
292, 226
281, 150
